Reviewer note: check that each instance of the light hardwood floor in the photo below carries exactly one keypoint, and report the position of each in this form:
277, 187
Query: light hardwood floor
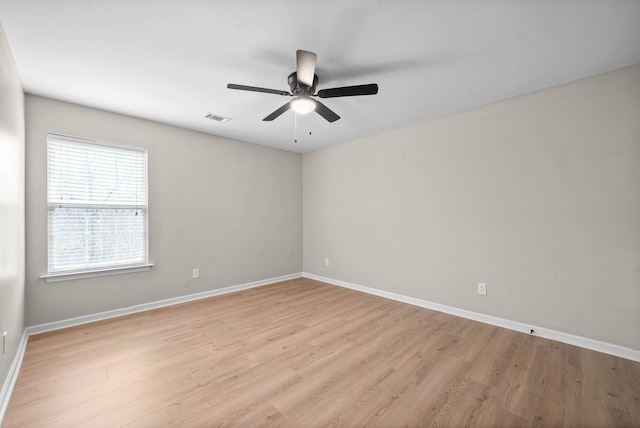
306, 354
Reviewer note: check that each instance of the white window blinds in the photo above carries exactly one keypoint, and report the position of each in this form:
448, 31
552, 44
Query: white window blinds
97, 198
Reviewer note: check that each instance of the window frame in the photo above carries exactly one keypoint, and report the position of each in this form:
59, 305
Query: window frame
107, 269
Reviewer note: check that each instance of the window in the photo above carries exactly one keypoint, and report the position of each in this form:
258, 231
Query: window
97, 208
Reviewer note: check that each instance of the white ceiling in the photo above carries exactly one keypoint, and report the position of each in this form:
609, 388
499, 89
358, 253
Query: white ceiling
170, 61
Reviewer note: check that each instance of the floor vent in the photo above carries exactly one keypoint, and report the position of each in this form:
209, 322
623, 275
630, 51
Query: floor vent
217, 117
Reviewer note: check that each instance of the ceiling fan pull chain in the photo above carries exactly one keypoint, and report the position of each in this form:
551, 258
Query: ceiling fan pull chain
295, 127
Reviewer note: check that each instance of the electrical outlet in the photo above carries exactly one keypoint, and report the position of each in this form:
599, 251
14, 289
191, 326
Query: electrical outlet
196, 273
482, 288
326, 261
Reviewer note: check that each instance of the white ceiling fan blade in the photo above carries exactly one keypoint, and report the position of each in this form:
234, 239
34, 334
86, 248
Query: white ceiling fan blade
306, 62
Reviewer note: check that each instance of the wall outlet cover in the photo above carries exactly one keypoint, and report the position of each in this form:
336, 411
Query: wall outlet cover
482, 288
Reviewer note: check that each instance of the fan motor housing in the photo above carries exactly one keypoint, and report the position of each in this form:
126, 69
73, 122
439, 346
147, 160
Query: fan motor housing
299, 88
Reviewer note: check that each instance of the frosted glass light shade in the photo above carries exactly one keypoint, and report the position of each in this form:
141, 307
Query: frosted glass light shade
303, 105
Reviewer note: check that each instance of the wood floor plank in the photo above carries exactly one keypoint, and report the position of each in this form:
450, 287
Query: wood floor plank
305, 353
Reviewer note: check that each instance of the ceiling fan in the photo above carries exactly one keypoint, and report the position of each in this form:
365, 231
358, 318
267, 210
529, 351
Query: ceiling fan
303, 84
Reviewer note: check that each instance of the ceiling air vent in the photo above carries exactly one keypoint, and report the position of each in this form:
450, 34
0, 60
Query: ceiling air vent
217, 117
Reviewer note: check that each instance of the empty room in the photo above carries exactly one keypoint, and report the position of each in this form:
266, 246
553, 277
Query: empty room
312, 214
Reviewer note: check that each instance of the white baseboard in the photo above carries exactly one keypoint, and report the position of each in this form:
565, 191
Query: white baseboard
12, 376
57, 325
583, 342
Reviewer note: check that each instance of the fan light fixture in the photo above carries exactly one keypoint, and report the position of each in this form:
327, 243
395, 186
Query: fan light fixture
302, 83
303, 105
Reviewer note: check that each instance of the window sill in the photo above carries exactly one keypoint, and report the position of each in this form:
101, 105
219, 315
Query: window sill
81, 274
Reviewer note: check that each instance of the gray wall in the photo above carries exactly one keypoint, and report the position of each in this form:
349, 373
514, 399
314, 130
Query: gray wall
231, 209
12, 206
537, 196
